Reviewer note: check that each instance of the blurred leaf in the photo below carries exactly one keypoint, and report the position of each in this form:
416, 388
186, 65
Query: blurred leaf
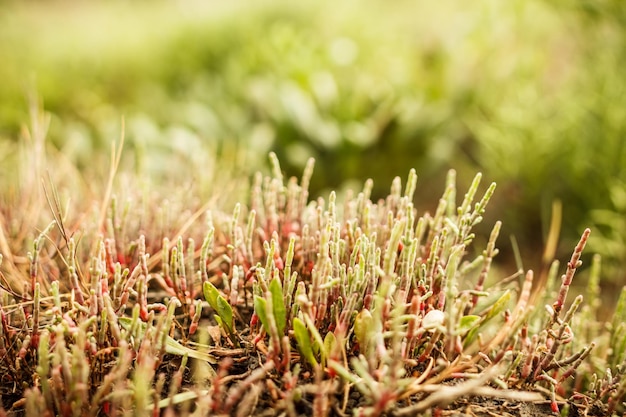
499, 306
304, 341
467, 323
260, 306
330, 342
210, 294
225, 311
496, 308
220, 305
363, 329
171, 346
278, 305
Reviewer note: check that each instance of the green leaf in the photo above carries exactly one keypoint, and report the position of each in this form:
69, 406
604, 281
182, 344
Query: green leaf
363, 328
330, 341
171, 346
225, 311
499, 306
220, 322
304, 341
175, 348
260, 310
467, 323
210, 294
278, 306
220, 305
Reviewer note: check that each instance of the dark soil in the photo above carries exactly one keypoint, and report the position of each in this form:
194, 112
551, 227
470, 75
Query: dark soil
481, 407
465, 407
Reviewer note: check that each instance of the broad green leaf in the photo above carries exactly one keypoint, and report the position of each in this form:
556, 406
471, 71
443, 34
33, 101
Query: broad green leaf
278, 306
175, 348
220, 305
467, 323
363, 328
220, 322
225, 311
260, 310
499, 306
317, 351
304, 341
330, 341
171, 346
210, 294
317, 337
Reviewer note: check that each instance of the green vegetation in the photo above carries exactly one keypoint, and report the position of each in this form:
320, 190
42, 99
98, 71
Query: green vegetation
170, 278
295, 306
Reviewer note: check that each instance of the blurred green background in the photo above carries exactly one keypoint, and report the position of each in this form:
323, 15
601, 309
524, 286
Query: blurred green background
532, 93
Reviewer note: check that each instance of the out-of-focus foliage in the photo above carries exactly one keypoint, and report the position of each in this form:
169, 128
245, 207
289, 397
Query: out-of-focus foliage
563, 134
531, 92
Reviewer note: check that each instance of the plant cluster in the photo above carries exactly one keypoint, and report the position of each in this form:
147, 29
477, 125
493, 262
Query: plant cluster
293, 306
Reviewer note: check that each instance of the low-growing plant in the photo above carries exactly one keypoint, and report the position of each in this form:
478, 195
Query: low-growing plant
298, 306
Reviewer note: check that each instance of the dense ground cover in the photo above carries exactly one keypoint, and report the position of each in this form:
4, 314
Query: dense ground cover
168, 278
289, 306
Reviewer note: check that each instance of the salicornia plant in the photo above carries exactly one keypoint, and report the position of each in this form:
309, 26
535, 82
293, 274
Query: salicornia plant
292, 305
